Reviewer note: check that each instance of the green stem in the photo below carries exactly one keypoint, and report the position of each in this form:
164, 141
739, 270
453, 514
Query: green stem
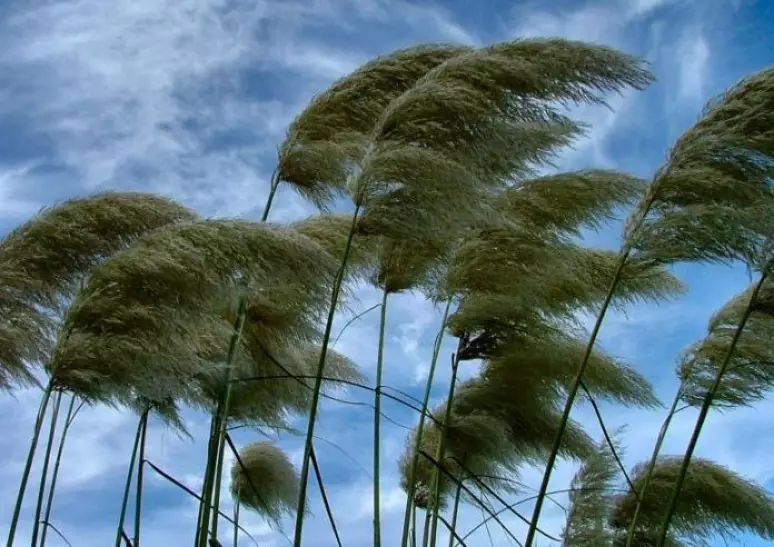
28, 465
377, 415
140, 468
304, 479
420, 429
223, 413
455, 514
651, 466
44, 471
426, 528
201, 522
708, 398
413, 526
572, 394
236, 522
163, 474
436, 480
129, 473
55, 474
272, 192
324, 495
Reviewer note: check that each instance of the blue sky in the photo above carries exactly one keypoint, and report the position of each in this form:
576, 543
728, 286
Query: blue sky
190, 98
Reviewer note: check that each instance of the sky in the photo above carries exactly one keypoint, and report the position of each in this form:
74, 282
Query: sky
190, 99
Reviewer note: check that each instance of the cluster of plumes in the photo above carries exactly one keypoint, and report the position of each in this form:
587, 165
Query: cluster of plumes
130, 299
714, 501
45, 261
712, 199
521, 278
154, 321
460, 148
264, 480
750, 372
522, 283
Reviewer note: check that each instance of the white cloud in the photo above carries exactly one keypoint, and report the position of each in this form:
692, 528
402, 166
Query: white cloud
692, 58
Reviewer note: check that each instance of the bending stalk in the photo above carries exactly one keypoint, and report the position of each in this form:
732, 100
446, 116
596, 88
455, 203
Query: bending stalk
138, 494
337, 283
44, 471
649, 471
455, 513
708, 398
130, 472
50, 502
28, 465
420, 430
377, 416
436, 482
572, 394
215, 467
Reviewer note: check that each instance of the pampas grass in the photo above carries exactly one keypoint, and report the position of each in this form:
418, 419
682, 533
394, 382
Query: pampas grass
439, 152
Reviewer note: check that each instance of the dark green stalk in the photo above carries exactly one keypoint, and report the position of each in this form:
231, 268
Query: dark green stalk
236, 522
28, 465
413, 527
324, 495
651, 467
436, 480
274, 184
44, 471
426, 528
129, 473
377, 416
572, 394
420, 427
50, 502
708, 398
200, 523
337, 283
194, 495
138, 493
223, 414
455, 514
608, 438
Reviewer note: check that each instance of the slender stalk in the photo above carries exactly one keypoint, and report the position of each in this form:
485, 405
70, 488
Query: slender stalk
272, 192
50, 501
44, 471
129, 473
326, 503
413, 527
223, 413
377, 415
236, 522
194, 495
608, 438
426, 528
138, 493
436, 481
420, 427
47, 525
201, 524
572, 394
650, 468
28, 465
708, 398
455, 514
337, 283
